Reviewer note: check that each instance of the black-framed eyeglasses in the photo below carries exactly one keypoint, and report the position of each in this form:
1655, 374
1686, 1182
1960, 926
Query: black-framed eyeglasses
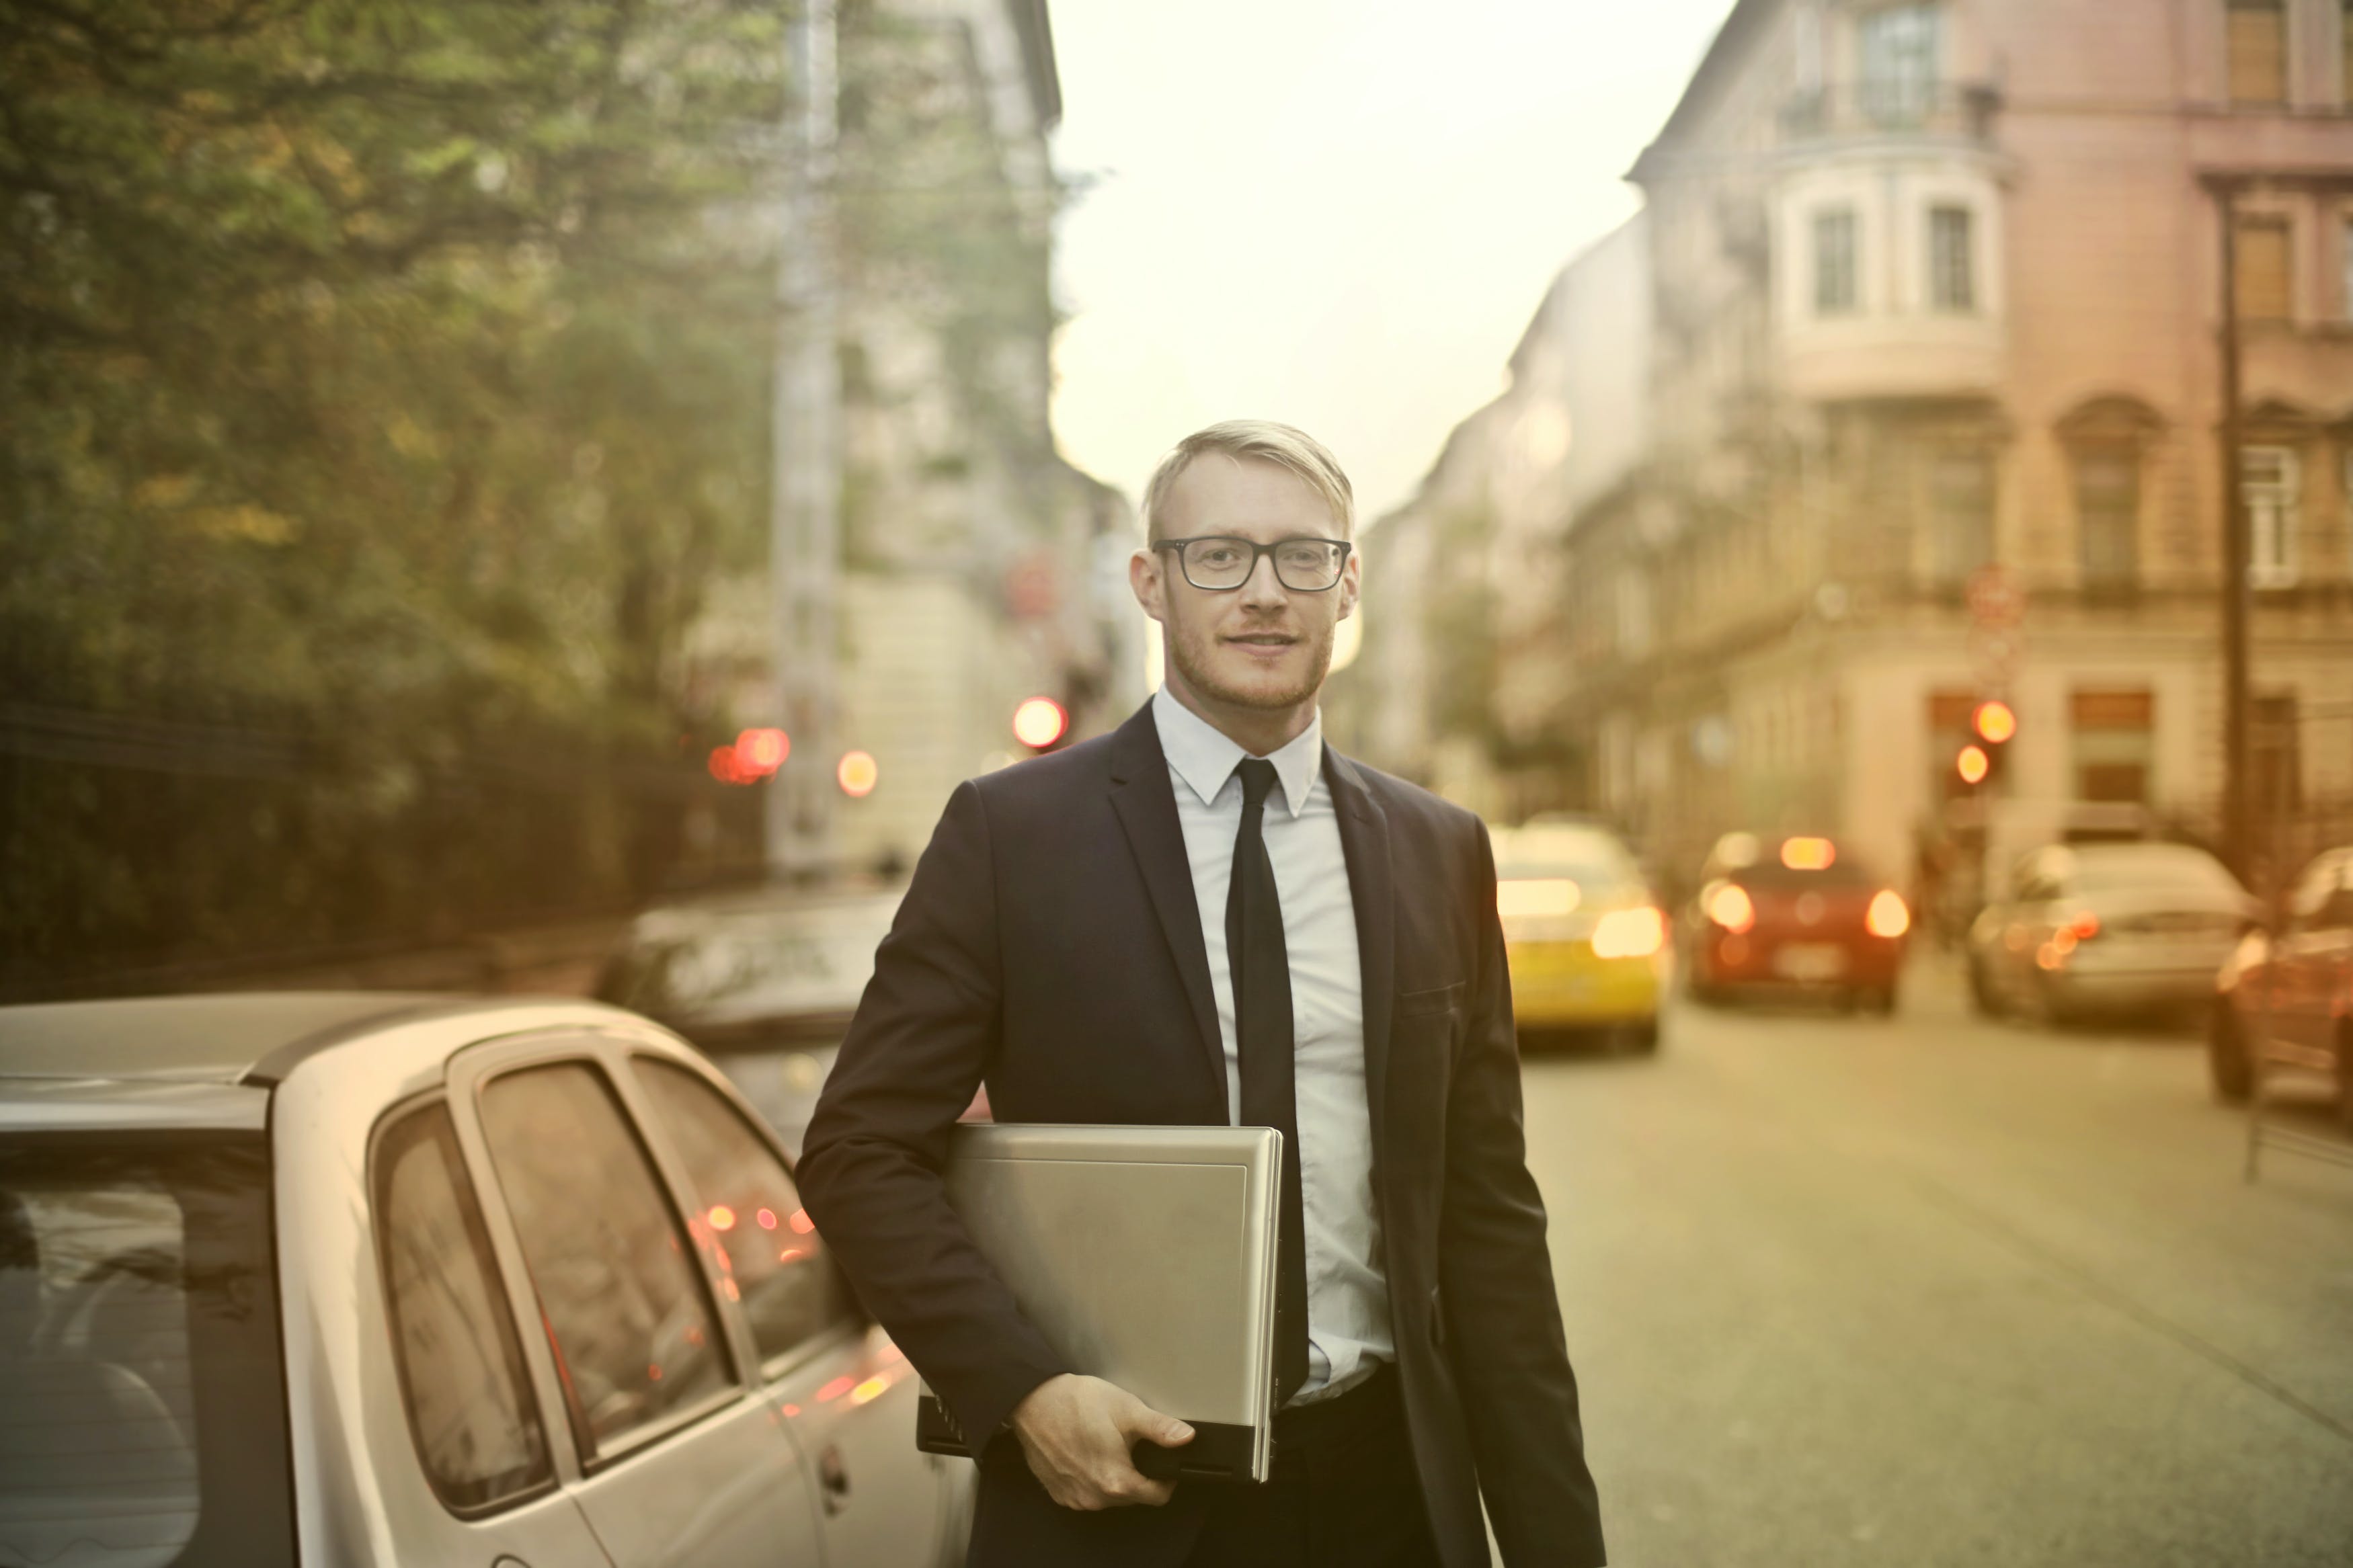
1219, 564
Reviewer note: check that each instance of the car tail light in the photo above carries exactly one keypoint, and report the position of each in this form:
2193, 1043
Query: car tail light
2083, 927
1887, 917
1630, 933
1729, 907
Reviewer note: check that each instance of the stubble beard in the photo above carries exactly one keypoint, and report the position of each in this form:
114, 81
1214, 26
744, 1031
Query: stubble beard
1192, 651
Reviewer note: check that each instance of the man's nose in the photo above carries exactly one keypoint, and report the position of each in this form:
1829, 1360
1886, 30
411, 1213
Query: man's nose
1262, 586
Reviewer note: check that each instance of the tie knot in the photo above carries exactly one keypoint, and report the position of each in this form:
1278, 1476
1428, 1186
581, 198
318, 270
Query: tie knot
1258, 778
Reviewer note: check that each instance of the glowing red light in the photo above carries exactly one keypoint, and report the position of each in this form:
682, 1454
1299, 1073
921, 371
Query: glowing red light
1973, 765
767, 1218
835, 1389
653, 1373
721, 1217
801, 1222
1996, 722
1040, 723
762, 751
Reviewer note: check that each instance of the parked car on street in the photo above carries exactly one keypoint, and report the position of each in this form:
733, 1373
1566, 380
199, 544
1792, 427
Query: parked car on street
1583, 934
763, 979
363, 1279
2107, 928
1793, 915
2286, 998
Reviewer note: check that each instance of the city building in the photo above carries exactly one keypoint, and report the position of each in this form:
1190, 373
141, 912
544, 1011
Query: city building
1936, 415
977, 568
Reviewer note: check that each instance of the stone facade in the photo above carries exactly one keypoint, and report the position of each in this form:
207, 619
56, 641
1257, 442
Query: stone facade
1937, 300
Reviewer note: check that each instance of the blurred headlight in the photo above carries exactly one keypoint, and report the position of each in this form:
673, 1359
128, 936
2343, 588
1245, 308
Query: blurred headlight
1887, 917
1630, 933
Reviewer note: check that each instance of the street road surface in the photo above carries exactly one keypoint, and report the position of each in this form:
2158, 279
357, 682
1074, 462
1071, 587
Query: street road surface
1933, 1290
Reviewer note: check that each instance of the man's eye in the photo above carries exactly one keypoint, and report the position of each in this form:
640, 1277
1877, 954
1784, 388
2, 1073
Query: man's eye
1216, 555
1310, 555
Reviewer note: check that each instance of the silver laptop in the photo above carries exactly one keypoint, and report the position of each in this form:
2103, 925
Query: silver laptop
1145, 1256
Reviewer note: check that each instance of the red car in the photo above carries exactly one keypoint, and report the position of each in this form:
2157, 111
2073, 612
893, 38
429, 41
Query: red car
1793, 914
2287, 996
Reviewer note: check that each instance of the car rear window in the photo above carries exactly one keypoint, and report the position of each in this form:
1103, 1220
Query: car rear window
471, 1409
2115, 866
142, 1403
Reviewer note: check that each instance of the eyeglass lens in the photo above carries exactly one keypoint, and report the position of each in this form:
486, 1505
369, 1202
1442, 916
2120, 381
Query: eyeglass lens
1307, 565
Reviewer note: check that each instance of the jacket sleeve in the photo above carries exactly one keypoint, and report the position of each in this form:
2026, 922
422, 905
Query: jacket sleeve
923, 1036
1499, 1298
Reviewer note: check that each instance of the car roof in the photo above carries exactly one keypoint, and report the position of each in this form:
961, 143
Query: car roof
255, 1038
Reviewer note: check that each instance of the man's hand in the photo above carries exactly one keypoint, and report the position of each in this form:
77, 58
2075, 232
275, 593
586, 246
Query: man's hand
1078, 1433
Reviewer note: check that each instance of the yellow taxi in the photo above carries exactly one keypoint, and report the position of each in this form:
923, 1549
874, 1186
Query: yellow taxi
1587, 941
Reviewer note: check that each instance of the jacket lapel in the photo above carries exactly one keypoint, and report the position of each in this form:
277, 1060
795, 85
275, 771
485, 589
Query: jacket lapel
1146, 804
1365, 844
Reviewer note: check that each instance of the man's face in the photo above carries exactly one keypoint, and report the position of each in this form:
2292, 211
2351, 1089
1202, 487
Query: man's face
1261, 645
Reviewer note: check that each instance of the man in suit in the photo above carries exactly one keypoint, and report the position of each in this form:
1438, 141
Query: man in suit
1208, 917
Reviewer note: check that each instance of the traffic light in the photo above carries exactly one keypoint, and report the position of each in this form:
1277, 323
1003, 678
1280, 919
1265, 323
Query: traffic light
1980, 762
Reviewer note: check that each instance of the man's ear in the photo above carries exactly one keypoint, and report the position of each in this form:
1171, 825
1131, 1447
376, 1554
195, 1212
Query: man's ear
1144, 580
1352, 584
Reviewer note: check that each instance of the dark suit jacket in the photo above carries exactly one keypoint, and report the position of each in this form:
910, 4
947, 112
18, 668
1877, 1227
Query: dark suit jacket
1051, 946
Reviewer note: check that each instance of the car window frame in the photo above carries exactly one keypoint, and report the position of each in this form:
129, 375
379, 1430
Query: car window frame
472, 1073
773, 1369
379, 1236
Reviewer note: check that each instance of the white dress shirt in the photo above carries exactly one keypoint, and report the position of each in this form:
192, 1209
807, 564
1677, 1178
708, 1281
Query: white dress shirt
1347, 1289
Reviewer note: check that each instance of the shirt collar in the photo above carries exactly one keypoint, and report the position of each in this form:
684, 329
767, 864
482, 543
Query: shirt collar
1204, 757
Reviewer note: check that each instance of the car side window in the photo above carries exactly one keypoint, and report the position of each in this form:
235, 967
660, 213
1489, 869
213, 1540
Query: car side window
773, 1263
471, 1409
633, 1329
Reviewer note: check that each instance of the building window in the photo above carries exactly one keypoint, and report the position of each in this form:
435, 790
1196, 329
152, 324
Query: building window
2344, 54
1898, 46
2261, 264
1952, 259
1834, 262
2271, 479
1960, 516
2115, 744
2258, 43
2107, 517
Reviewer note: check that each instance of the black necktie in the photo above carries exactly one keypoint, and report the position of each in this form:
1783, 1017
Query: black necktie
1261, 970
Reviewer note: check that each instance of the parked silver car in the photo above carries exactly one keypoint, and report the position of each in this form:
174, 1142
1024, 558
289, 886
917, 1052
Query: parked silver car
359, 1280
2098, 928
761, 980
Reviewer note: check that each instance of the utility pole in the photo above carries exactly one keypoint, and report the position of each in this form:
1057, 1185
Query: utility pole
2238, 822
805, 523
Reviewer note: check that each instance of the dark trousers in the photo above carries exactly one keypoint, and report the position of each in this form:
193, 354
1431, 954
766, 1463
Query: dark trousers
1344, 1493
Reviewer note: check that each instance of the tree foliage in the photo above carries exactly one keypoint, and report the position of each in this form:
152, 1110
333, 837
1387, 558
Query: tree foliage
388, 378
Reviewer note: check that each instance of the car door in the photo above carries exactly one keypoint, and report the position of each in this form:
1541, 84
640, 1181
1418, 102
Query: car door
845, 1392
681, 1458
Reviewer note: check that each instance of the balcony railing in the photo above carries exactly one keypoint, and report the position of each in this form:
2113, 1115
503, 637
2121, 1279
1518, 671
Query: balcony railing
1895, 107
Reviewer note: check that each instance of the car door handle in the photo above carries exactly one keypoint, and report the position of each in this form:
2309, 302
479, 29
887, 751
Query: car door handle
833, 1475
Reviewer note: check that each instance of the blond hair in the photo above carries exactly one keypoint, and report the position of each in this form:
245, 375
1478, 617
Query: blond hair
1268, 442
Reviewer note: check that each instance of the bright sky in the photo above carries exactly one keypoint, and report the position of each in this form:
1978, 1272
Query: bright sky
1336, 213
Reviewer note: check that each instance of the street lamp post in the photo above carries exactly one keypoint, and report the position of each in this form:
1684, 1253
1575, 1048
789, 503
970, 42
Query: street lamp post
805, 532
